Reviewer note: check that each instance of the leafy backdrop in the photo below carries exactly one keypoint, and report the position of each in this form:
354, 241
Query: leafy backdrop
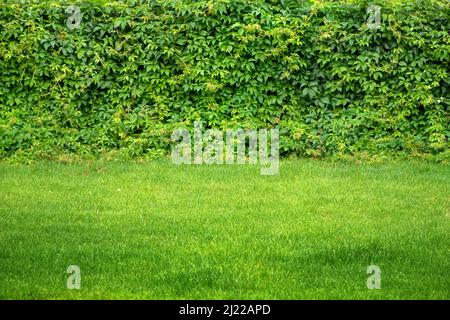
135, 70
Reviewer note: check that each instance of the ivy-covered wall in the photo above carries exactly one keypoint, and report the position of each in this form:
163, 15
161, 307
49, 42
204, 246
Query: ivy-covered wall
132, 71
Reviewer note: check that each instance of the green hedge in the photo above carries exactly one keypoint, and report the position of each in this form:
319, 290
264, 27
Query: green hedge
135, 70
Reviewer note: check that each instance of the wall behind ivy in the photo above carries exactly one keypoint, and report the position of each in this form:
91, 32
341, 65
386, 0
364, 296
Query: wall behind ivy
135, 70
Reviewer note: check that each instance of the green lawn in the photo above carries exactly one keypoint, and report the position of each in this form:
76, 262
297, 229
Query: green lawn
161, 231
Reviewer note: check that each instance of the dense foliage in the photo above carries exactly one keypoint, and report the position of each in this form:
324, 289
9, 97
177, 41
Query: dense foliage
135, 70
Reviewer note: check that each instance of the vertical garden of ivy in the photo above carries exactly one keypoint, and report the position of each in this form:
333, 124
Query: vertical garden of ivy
135, 70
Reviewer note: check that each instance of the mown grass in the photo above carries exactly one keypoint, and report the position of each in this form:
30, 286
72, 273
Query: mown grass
161, 231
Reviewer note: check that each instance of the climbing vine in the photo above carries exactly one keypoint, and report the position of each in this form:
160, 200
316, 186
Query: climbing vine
97, 78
